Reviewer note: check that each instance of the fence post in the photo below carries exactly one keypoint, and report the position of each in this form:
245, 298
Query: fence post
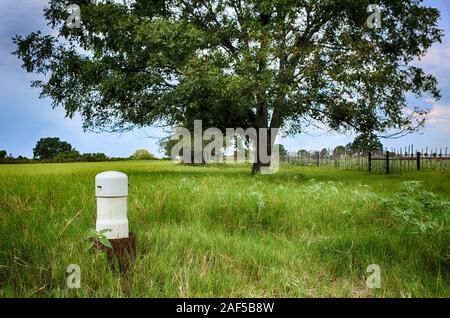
387, 162
418, 160
370, 160
318, 159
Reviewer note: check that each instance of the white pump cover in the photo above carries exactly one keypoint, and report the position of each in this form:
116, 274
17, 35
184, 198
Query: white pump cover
111, 190
111, 184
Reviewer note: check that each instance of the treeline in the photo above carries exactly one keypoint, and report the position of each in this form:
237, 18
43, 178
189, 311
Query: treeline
361, 144
53, 150
85, 157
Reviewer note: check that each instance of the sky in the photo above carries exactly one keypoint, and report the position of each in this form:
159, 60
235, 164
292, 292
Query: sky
24, 118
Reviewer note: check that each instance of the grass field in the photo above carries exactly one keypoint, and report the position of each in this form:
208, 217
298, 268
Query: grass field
218, 231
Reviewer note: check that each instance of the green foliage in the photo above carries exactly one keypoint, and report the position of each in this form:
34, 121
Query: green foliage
3, 154
94, 157
282, 151
303, 153
49, 148
365, 142
75, 156
72, 155
166, 145
99, 236
324, 152
142, 154
11, 160
420, 210
339, 151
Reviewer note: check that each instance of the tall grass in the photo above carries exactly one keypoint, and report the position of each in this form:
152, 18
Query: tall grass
220, 232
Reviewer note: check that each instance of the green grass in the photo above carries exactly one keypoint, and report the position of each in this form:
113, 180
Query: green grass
220, 232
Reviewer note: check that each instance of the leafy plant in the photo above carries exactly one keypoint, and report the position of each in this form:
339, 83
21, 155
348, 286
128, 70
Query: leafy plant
259, 199
418, 208
99, 236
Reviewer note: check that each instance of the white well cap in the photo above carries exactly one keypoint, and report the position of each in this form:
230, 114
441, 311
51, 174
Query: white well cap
111, 184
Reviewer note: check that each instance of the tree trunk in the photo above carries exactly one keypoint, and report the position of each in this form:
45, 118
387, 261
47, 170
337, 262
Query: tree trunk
259, 162
260, 122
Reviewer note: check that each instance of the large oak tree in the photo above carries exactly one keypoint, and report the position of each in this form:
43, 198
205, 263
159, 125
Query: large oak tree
235, 63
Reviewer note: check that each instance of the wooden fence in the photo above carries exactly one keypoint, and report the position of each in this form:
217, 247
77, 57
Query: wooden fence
388, 161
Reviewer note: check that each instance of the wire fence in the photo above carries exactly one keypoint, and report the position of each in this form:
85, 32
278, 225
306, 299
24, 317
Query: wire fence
387, 161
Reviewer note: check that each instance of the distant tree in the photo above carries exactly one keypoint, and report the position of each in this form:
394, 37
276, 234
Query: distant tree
339, 151
48, 148
72, 155
366, 142
3, 154
303, 153
166, 145
142, 154
348, 147
282, 151
94, 157
324, 152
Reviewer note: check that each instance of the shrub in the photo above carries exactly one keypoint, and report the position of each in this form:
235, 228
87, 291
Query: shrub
94, 157
142, 154
72, 155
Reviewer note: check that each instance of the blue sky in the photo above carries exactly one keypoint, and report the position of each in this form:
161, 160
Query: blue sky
24, 118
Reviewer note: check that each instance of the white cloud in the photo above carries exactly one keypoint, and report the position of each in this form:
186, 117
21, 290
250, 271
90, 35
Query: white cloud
439, 117
437, 63
437, 57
